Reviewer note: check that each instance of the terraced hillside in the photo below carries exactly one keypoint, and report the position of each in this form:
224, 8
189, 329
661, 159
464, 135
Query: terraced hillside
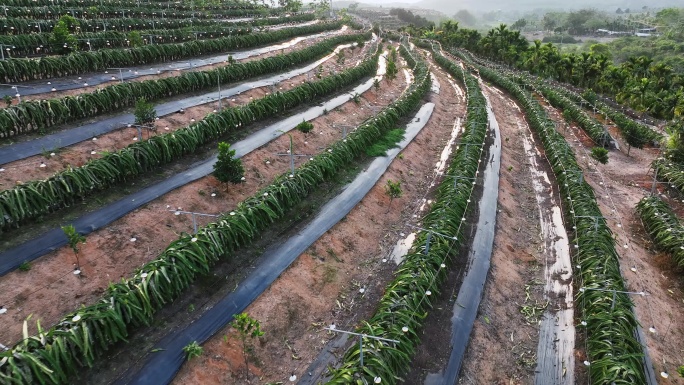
398, 210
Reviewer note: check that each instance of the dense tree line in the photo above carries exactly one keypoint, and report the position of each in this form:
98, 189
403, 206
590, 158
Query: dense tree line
639, 82
411, 18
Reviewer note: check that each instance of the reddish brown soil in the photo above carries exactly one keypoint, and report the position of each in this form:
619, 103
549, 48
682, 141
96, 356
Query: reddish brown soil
304, 299
49, 290
78, 154
503, 344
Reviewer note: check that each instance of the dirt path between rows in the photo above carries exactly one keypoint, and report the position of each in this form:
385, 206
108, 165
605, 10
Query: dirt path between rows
50, 290
503, 343
324, 285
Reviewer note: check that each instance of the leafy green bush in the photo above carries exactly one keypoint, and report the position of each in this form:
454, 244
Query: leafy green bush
144, 112
600, 154
305, 126
228, 168
25, 266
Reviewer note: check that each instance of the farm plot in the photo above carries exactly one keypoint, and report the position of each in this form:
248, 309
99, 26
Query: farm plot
336, 290
610, 182
256, 172
116, 65
36, 44
145, 156
202, 194
171, 119
75, 85
584, 285
510, 343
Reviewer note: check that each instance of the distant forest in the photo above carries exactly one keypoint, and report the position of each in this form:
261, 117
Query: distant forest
410, 18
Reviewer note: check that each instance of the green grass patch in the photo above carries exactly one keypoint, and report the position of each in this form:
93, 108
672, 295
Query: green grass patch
390, 140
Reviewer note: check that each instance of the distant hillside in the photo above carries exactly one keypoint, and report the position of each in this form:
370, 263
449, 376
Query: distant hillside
450, 7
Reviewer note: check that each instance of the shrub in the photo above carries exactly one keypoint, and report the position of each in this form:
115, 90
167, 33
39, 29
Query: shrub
600, 154
305, 126
227, 167
144, 112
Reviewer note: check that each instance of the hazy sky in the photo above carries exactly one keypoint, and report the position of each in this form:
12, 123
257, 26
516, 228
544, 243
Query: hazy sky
390, 1
378, 1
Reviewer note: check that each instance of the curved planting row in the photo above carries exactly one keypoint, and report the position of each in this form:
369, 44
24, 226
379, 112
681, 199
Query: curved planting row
76, 341
403, 307
635, 134
571, 111
663, 226
671, 172
20, 26
25, 44
107, 11
614, 353
33, 115
16, 70
35, 198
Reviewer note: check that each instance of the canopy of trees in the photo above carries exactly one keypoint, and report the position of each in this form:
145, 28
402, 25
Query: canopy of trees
408, 17
649, 86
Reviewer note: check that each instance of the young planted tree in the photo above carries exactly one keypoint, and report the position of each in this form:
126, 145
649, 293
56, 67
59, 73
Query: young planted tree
393, 190
145, 113
341, 57
228, 168
248, 329
675, 142
62, 40
392, 70
74, 239
600, 154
